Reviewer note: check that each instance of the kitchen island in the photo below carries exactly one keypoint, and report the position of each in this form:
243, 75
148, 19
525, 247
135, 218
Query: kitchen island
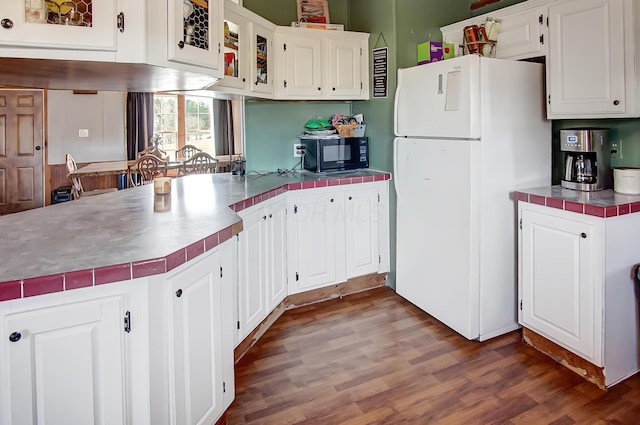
134, 233
576, 265
129, 306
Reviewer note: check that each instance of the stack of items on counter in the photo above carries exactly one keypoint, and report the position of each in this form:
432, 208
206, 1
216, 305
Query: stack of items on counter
343, 125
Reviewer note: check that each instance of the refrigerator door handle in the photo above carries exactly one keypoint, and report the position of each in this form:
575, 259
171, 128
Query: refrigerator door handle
396, 174
396, 102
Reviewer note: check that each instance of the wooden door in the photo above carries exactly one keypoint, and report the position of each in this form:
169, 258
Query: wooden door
21, 153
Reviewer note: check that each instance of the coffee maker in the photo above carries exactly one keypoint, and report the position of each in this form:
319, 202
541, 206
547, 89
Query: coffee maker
586, 159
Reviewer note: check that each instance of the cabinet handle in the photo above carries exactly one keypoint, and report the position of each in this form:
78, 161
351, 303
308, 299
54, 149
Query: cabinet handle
583, 235
179, 293
331, 199
616, 102
181, 44
15, 337
270, 215
6, 23
264, 217
120, 20
244, 79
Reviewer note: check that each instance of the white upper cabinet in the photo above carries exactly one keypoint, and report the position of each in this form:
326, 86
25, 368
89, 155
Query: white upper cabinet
194, 28
261, 59
86, 25
591, 69
523, 30
321, 64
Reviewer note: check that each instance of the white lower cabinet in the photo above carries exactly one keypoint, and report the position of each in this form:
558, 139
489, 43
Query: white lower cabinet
336, 233
262, 281
560, 293
68, 358
576, 287
191, 344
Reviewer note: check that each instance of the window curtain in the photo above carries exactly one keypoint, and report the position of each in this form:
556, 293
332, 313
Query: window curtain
223, 127
139, 122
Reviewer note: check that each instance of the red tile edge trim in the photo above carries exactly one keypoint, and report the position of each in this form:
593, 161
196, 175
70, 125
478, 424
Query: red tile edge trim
43, 285
11, 290
594, 210
17, 289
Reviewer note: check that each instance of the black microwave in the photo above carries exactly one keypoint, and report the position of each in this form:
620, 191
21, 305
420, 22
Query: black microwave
335, 154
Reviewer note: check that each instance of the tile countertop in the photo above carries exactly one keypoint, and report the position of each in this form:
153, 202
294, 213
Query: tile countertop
603, 203
118, 236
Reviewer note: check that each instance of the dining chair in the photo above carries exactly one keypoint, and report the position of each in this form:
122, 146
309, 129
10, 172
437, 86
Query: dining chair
199, 163
187, 151
153, 150
77, 191
147, 167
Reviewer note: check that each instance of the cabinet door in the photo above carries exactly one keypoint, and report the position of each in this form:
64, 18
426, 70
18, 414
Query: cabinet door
252, 308
586, 64
316, 243
361, 230
277, 253
344, 67
523, 35
194, 32
66, 364
196, 361
262, 59
558, 282
303, 67
86, 25
236, 50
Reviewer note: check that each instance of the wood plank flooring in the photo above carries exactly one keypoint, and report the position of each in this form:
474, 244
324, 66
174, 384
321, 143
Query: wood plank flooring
373, 358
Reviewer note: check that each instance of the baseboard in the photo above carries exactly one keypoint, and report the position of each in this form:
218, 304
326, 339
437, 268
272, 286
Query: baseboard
577, 364
351, 286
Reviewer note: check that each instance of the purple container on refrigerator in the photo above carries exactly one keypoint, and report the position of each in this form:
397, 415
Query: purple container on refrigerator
470, 131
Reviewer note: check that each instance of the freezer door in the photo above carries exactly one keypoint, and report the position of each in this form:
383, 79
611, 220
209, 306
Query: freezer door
440, 99
437, 229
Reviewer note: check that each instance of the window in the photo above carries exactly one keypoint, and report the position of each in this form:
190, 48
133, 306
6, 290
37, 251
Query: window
194, 126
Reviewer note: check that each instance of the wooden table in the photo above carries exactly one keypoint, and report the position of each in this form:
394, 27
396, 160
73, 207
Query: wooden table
109, 168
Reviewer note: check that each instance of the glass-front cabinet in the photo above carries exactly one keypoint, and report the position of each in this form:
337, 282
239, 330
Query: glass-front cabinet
261, 67
236, 37
60, 24
194, 29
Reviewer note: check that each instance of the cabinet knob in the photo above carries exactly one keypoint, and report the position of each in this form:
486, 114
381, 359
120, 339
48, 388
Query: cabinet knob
15, 337
350, 198
334, 89
616, 102
179, 293
38, 148
319, 89
331, 199
6, 23
270, 215
264, 217
181, 44
583, 235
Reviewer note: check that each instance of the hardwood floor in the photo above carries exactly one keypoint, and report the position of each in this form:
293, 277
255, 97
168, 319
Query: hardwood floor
373, 358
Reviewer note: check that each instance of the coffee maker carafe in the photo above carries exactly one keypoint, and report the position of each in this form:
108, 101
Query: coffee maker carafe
586, 159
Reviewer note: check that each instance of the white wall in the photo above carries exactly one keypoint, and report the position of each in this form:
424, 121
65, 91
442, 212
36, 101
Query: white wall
102, 114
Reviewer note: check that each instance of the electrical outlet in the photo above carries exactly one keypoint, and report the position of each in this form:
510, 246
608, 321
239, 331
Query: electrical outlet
83, 132
616, 149
298, 150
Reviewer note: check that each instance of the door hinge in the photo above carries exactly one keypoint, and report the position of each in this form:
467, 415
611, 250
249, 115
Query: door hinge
220, 271
520, 304
541, 19
295, 209
547, 22
520, 223
120, 21
127, 322
378, 197
238, 325
549, 99
285, 84
361, 51
541, 38
224, 387
360, 85
297, 277
379, 258
219, 48
285, 46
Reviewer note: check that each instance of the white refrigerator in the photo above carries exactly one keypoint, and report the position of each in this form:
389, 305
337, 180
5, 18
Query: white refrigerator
470, 131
